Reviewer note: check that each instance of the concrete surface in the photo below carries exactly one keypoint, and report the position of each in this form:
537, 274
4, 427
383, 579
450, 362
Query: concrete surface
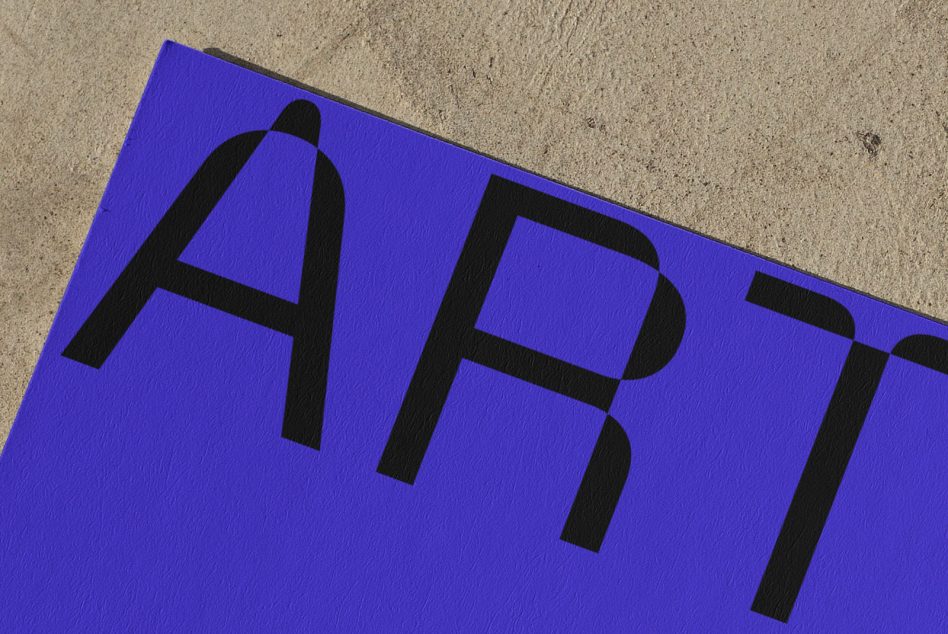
812, 133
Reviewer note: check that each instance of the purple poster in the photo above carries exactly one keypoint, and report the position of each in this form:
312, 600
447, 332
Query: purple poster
317, 371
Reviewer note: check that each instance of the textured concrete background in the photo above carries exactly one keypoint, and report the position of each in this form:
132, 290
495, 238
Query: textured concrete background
812, 133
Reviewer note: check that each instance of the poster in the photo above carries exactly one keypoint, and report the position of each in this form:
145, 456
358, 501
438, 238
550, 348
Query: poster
317, 370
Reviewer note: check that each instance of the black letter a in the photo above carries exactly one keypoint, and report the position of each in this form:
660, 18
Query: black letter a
156, 265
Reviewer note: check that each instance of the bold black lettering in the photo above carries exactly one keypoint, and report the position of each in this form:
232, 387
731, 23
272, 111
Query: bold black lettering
453, 337
820, 482
836, 439
156, 265
926, 350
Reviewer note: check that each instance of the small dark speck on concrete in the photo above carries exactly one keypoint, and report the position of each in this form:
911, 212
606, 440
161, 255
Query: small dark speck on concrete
591, 122
871, 142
